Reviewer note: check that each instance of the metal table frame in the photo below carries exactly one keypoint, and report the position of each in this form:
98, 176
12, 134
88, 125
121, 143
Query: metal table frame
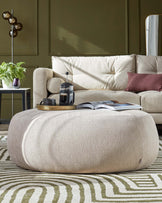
25, 99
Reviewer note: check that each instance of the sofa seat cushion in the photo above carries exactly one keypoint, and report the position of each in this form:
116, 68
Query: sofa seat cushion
151, 101
101, 95
95, 72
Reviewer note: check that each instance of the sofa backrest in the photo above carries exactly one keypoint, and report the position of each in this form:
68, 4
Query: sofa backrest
95, 72
148, 64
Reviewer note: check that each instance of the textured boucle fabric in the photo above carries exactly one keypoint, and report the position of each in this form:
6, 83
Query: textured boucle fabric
98, 72
83, 141
102, 95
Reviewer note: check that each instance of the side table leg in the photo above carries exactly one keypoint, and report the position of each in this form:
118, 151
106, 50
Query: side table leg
23, 100
28, 99
0, 104
12, 104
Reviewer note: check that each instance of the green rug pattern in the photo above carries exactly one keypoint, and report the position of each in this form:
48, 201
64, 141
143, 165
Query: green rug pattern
21, 186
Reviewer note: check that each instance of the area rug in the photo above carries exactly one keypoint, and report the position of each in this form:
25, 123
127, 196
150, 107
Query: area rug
19, 185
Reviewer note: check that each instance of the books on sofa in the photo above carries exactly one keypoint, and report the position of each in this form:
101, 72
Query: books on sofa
110, 104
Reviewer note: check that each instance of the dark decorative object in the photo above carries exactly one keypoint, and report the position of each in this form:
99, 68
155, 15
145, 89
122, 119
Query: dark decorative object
48, 101
12, 20
18, 26
16, 83
6, 15
14, 28
66, 93
13, 33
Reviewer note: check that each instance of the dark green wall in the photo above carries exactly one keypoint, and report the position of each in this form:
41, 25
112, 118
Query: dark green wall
73, 27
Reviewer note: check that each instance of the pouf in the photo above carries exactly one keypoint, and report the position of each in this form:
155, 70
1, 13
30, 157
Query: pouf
83, 141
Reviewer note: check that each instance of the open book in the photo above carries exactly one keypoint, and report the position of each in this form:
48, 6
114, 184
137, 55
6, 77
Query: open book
110, 104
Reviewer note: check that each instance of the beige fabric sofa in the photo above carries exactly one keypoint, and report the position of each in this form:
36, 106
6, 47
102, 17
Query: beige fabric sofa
100, 78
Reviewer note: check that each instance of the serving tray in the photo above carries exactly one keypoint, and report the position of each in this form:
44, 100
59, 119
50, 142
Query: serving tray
55, 108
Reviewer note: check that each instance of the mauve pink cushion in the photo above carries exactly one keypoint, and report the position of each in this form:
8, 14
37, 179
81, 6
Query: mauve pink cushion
143, 82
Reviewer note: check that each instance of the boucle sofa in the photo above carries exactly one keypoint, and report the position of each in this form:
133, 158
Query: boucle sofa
100, 78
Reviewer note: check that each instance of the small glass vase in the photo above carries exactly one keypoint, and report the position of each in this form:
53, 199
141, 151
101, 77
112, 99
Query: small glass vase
16, 83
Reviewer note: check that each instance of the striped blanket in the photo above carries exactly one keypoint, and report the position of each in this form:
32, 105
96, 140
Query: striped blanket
19, 185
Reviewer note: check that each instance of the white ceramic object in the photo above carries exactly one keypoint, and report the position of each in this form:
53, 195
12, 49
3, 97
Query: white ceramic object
6, 86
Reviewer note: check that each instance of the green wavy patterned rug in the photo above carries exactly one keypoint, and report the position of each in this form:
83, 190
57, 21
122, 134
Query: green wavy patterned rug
18, 185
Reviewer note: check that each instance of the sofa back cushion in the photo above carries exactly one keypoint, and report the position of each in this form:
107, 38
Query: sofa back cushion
148, 64
95, 72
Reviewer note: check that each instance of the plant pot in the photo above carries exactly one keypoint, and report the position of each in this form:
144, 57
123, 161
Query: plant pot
6, 86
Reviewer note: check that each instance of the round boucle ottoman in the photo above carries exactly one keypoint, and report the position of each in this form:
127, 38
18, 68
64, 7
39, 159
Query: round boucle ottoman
83, 141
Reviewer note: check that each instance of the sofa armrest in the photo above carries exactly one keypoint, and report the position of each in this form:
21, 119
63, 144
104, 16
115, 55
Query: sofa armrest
40, 78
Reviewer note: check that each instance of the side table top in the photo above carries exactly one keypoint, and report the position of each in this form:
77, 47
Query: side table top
14, 89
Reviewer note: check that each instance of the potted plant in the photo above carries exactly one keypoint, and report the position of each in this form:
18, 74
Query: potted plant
10, 71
